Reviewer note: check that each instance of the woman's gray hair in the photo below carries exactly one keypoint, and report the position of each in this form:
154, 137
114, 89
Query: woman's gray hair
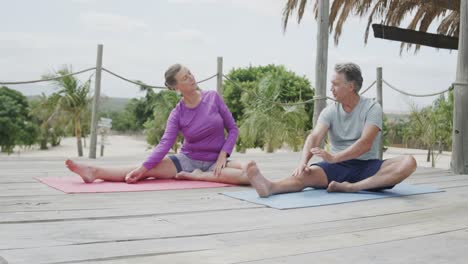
170, 74
352, 73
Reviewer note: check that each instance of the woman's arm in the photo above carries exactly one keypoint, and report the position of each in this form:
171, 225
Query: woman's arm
167, 141
229, 125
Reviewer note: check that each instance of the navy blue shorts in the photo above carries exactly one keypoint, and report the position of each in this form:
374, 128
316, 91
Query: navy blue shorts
351, 170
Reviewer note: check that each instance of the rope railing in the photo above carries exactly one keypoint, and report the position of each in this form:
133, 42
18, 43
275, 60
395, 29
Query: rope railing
48, 79
134, 82
93, 68
315, 98
416, 95
370, 86
209, 78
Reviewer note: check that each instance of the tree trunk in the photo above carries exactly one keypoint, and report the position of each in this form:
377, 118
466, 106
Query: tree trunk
428, 155
78, 134
43, 142
440, 146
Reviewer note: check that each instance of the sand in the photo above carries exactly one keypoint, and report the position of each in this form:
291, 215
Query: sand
136, 148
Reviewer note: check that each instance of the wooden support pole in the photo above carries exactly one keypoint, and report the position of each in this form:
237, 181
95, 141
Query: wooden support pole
459, 162
95, 111
380, 100
321, 60
219, 84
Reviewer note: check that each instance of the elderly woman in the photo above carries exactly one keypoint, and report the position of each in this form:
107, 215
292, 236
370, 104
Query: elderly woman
201, 117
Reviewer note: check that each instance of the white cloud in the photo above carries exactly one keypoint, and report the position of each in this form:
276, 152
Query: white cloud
189, 35
112, 22
261, 7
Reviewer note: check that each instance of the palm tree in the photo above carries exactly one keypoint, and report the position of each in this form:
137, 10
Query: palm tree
423, 129
73, 100
269, 121
390, 12
42, 110
162, 104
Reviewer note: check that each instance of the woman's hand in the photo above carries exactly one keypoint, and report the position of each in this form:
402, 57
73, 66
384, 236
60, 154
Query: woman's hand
220, 163
136, 174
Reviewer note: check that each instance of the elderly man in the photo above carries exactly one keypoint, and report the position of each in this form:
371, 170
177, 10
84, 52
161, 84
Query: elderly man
353, 124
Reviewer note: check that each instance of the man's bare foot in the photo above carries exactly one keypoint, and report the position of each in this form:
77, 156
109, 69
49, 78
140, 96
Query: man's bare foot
193, 176
341, 187
257, 180
85, 172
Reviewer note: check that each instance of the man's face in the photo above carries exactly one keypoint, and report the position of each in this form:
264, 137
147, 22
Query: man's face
340, 88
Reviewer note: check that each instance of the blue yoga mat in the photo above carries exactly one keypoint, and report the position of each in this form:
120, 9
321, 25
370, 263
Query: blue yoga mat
317, 197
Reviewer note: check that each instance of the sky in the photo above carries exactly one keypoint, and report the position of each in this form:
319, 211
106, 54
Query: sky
142, 38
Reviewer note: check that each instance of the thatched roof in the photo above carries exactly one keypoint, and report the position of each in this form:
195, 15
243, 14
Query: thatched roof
388, 12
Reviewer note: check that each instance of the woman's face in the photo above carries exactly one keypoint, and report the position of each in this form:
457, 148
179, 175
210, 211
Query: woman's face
185, 81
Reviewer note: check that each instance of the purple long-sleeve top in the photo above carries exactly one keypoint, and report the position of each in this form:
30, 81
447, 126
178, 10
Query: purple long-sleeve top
202, 128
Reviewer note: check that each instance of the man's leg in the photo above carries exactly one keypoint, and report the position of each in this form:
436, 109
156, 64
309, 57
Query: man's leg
392, 172
313, 176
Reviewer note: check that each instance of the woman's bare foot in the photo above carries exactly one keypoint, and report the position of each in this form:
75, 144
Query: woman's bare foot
192, 176
257, 180
85, 172
341, 187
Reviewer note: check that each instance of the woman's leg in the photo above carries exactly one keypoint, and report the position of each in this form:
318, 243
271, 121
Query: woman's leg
165, 169
233, 173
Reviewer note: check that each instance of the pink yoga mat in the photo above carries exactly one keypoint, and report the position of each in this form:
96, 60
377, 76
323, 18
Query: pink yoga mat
74, 184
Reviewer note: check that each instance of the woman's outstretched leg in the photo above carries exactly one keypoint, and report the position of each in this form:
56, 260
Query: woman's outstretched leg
89, 173
233, 173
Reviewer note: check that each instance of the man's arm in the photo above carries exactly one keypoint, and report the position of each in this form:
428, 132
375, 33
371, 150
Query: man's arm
312, 141
361, 146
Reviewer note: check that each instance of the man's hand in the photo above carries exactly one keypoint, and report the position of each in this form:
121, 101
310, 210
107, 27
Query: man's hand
300, 169
220, 163
325, 155
136, 174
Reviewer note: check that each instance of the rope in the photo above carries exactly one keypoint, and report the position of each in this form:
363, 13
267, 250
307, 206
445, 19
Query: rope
370, 86
130, 81
233, 82
146, 85
48, 79
287, 104
460, 83
307, 101
209, 78
417, 95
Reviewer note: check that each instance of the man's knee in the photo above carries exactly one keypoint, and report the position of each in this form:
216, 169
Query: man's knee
313, 176
410, 163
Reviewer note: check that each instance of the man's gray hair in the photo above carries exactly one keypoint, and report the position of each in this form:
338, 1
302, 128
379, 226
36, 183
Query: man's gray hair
352, 73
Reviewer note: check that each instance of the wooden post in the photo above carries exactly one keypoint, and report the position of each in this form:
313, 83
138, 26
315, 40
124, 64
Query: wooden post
94, 116
102, 142
219, 85
459, 162
321, 59
380, 100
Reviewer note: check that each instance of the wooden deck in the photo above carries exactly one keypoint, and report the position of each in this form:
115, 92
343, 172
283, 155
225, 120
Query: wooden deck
39, 224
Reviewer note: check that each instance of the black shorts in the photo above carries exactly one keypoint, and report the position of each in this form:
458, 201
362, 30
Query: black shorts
351, 170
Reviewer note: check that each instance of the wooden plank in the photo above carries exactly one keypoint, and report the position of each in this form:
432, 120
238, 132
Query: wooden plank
263, 244
426, 249
80, 229
201, 226
415, 37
